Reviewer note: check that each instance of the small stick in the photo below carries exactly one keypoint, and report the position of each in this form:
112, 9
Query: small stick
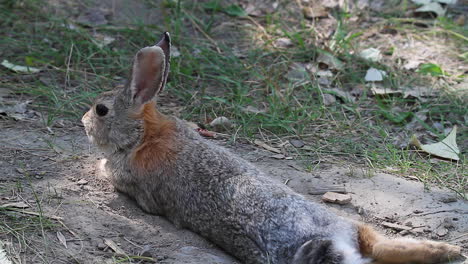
58, 218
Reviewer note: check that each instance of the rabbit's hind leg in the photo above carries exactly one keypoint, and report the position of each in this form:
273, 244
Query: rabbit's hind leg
404, 250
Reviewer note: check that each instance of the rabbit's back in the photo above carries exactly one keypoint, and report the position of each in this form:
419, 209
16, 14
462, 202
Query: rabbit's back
226, 199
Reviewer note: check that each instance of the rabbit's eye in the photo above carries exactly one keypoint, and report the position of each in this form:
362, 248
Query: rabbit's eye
101, 110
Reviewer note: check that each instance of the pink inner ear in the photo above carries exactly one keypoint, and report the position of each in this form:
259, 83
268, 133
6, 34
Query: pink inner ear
148, 73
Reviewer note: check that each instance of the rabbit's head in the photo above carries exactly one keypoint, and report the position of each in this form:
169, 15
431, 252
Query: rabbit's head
112, 123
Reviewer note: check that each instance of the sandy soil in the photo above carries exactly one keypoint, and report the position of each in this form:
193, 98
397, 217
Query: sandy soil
67, 182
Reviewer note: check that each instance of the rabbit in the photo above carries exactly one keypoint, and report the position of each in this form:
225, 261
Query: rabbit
171, 171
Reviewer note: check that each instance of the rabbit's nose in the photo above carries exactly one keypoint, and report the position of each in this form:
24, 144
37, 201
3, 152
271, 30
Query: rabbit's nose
85, 117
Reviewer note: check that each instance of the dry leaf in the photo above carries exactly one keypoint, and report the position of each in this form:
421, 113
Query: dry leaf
102, 40
316, 12
376, 90
18, 68
3, 255
265, 146
114, 247
62, 239
374, 75
435, 8
447, 148
371, 54
330, 61
206, 133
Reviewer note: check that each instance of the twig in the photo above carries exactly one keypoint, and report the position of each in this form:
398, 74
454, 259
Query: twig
58, 218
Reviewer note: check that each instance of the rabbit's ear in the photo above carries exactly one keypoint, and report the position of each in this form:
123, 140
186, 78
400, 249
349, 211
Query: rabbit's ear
165, 45
150, 70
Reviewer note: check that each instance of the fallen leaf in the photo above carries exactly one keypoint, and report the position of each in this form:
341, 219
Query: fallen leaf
412, 64
371, 54
20, 205
18, 68
316, 12
206, 133
447, 148
3, 255
344, 96
102, 40
431, 8
431, 68
62, 239
419, 92
328, 61
377, 90
265, 146
374, 75
114, 247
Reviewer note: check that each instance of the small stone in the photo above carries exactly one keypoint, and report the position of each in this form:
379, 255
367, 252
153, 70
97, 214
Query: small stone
441, 231
450, 199
404, 232
101, 246
221, 123
448, 223
82, 182
328, 99
338, 198
297, 143
409, 224
283, 43
418, 211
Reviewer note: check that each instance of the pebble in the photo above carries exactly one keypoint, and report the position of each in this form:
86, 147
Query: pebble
297, 143
101, 246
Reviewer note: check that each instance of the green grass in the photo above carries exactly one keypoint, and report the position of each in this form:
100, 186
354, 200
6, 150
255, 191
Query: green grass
211, 79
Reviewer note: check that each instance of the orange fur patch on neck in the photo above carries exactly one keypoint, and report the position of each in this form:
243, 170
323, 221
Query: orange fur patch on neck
157, 146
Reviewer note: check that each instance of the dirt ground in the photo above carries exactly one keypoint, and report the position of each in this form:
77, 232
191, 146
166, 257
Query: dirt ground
56, 171
65, 181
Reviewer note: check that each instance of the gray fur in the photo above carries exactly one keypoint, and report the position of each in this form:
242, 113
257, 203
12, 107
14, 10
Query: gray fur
216, 194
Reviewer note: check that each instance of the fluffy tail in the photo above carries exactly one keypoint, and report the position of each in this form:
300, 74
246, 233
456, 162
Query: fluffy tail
404, 250
317, 252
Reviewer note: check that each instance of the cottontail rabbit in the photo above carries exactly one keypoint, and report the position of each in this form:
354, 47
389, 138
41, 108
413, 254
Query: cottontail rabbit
172, 171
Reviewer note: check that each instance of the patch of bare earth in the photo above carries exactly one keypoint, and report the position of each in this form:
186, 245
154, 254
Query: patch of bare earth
59, 174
